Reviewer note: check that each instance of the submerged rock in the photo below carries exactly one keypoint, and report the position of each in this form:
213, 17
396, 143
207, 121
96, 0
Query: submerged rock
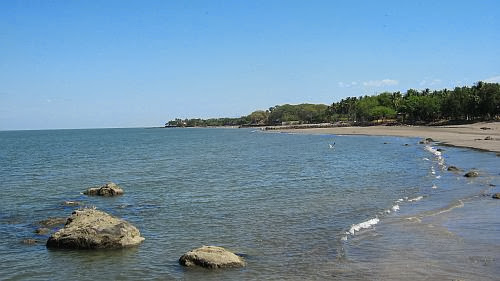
453, 169
471, 174
94, 229
109, 189
29, 241
42, 230
496, 196
50, 222
211, 257
71, 203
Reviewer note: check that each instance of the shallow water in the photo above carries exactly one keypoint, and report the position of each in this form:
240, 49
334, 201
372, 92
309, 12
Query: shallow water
371, 208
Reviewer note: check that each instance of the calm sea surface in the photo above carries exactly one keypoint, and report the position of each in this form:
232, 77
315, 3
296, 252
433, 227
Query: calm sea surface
372, 208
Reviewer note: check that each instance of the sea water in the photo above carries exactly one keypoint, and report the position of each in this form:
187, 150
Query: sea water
295, 207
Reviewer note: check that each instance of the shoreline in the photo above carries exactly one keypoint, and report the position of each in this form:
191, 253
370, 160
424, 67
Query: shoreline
483, 136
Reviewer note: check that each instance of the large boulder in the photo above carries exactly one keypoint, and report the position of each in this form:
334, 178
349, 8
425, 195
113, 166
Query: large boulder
94, 229
109, 189
211, 257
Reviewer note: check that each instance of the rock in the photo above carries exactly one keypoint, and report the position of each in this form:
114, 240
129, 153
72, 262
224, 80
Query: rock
42, 230
109, 189
440, 149
211, 257
453, 169
50, 222
496, 196
29, 241
406, 144
488, 138
71, 203
485, 128
471, 174
426, 141
94, 229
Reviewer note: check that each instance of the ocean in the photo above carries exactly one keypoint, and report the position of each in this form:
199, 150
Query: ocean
370, 208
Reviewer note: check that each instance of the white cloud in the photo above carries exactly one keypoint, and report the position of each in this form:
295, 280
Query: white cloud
495, 79
380, 83
432, 82
347, 84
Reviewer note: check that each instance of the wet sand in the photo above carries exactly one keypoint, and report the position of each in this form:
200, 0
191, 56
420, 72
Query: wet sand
483, 135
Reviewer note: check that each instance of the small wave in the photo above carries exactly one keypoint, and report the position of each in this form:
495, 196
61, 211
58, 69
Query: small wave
416, 199
362, 225
438, 177
395, 208
438, 155
434, 186
432, 150
400, 200
426, 159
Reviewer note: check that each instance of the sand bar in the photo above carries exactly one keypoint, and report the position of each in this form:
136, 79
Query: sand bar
483, 135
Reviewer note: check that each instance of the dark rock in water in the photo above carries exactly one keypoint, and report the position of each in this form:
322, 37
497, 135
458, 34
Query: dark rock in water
471, 174
29, 241
496, 196
94, 229
440, 149
42, 230
426, 141
211, 257
406, 144
72, 203
453, 169
109, 189
491, 184
50, 222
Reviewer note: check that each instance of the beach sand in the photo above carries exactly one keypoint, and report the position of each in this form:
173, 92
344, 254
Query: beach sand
471, 135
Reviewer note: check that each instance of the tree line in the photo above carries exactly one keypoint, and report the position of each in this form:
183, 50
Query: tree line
469, 103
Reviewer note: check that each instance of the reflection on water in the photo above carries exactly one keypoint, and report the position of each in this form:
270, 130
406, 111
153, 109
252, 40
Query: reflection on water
293, 207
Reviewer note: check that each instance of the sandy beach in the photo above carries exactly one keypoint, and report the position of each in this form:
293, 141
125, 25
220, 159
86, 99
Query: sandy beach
483, 135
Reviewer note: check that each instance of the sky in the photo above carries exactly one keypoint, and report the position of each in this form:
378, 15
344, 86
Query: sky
101, 64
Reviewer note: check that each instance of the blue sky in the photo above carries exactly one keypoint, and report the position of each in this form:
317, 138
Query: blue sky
92, 64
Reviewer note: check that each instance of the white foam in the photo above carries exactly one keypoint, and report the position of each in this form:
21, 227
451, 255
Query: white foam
362, 225
438, 177
426, 159
416, 199
434, 186
395, 207
436, 153
400, 200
